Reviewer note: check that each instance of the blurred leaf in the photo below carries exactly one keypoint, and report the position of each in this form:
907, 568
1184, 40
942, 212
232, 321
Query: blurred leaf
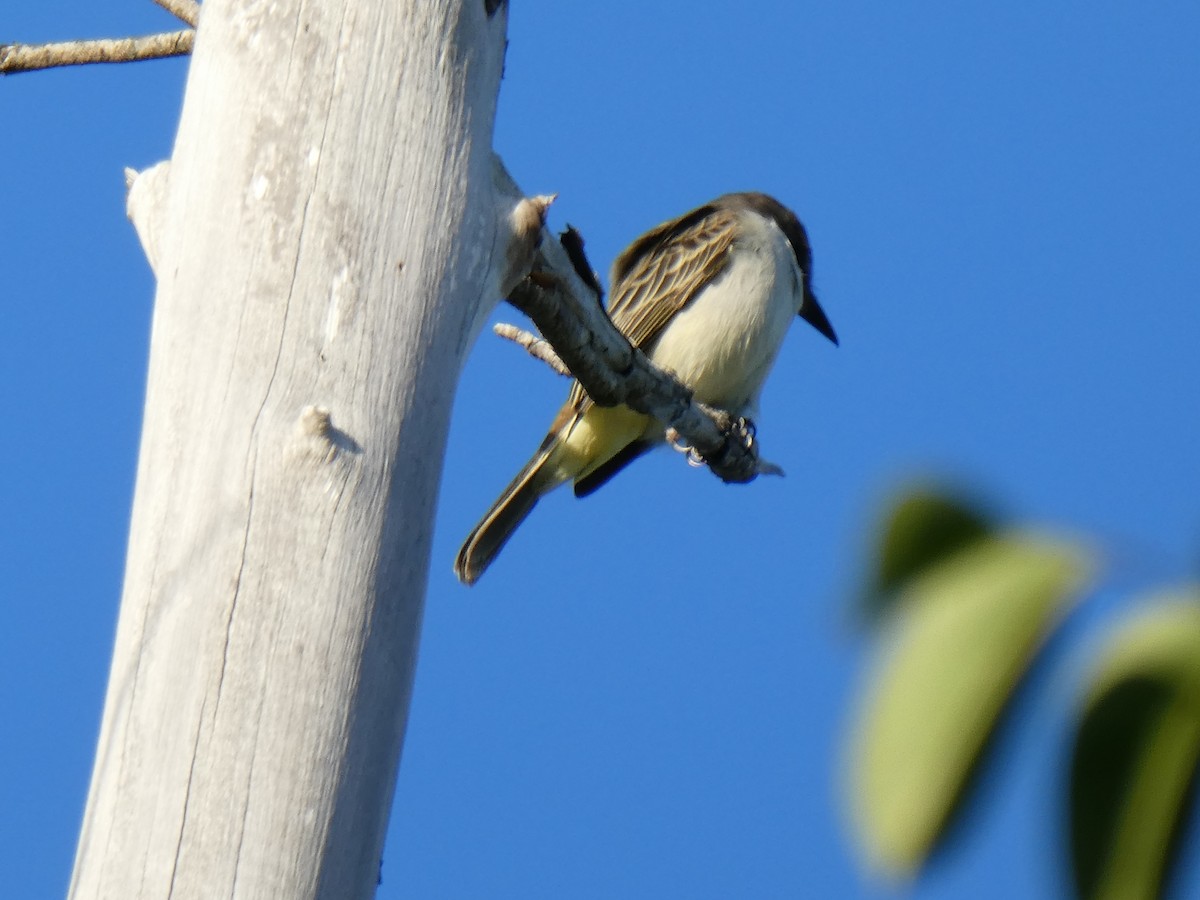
924, 527
965, 632
1134, 763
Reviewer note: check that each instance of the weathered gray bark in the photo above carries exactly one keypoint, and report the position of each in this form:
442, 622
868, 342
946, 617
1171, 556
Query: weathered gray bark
327, 237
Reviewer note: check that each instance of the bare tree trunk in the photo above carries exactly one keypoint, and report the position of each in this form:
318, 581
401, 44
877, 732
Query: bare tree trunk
327, 237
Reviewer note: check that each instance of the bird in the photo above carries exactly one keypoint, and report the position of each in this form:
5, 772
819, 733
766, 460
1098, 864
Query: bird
707, 296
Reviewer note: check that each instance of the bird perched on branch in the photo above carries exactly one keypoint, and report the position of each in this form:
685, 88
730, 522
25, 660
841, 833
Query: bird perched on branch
709, 297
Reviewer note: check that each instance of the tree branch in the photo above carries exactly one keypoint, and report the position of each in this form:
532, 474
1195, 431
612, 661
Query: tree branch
28, 57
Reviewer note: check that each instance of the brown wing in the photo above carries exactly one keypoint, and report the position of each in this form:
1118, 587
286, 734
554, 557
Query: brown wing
660, 273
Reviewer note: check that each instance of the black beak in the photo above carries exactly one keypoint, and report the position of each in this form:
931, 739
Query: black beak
812, 313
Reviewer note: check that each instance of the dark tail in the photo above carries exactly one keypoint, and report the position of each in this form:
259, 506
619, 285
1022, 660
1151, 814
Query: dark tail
497, 526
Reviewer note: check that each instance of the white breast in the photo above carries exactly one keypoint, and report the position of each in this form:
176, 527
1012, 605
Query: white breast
724, 343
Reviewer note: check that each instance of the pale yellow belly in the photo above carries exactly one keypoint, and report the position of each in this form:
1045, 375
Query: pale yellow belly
597, 437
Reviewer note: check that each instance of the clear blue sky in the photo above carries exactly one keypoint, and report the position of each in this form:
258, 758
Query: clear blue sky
648, 695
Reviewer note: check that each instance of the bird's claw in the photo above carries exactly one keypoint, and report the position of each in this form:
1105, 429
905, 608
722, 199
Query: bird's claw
676, 443
742, 432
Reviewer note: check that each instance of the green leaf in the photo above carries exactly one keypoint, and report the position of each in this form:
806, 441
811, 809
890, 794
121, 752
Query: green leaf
964, 634
924, 527
1136, 749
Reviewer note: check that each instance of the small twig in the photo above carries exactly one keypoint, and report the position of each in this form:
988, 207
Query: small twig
185, 10
535, 346
28, 57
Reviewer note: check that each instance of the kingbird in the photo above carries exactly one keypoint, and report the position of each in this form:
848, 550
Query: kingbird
708, 297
